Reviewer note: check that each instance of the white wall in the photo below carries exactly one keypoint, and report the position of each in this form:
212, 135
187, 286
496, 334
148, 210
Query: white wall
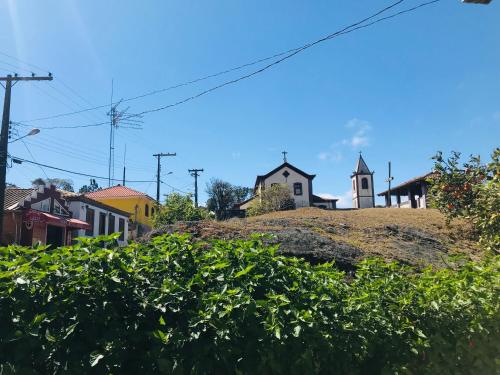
365, 195
79, 211
278, 178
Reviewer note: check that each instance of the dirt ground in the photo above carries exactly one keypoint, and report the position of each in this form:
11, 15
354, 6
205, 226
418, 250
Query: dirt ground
417, 237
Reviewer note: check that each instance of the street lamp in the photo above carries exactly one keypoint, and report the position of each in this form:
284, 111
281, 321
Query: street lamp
32, 132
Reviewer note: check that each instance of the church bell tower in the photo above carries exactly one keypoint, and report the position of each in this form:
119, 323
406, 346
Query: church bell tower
363, 194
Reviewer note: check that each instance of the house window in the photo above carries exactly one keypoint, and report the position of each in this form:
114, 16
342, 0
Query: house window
121, 228
102, 223
146, 210
111, 224
42, 205
364, 183
297, 188
58, 209
152, 211
89, 218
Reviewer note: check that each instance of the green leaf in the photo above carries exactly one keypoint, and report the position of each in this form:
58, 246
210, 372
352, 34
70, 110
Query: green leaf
95, 358
245, 271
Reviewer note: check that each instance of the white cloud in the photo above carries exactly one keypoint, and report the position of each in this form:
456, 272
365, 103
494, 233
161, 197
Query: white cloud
344, 201
360, 137
331, 155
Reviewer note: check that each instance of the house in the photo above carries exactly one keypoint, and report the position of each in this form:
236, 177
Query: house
299, 183
363, 193
38, 215
102, 218
140, 206
415, 190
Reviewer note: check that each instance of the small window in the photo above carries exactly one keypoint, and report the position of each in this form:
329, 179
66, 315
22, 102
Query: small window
111, 224
102, 223
152, 211
297, 188
146, 210
364, 183
89, 218
121, 228
353, 185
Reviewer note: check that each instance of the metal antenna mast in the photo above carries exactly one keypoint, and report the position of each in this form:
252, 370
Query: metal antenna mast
119, 118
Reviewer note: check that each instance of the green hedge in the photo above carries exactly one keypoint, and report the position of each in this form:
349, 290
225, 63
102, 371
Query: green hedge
173, 306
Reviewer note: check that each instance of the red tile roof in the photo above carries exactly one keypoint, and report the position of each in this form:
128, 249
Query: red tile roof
116, 192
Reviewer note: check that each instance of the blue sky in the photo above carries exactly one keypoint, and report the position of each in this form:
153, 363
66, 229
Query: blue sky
399, 91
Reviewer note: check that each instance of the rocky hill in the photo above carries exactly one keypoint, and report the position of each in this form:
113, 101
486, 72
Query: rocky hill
418, 237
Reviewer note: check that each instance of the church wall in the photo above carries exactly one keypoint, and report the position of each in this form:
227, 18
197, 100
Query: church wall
364, 195
278, 178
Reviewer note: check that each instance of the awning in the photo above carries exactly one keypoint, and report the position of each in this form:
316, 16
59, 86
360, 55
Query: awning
75, 223
44, 217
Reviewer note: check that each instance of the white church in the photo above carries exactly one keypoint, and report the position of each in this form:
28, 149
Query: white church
363, 192
300, 184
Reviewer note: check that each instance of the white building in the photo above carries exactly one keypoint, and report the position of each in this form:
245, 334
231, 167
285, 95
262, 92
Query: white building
363, 193
299, 183
102, 218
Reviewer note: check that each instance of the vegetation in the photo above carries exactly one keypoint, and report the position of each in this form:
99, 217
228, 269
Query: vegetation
275, 198
59, 183
173, 306
470, 191
176, 208
222, 196
93, 186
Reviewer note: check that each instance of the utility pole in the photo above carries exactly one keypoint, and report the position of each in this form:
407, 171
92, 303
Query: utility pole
4, 137
159, 156
389, 179
195, 174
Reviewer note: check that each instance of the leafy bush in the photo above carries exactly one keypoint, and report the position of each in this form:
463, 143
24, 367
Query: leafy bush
275, 198
470, 191
176, 208
225, 307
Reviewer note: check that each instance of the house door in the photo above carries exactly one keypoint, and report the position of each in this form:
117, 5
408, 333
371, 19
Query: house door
55, 236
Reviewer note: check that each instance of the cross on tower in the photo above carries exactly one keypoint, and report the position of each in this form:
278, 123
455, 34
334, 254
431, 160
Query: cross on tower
284, 155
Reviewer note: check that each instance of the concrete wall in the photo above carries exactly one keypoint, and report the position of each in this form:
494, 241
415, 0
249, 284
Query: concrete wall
278, 178
79, 211
362, 198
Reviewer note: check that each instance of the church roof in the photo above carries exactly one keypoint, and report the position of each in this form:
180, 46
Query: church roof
361, 167
284, 165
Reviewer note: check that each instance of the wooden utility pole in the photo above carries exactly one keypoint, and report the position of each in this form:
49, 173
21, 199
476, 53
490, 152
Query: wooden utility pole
389, 179
195, 174
4, 137
159, 156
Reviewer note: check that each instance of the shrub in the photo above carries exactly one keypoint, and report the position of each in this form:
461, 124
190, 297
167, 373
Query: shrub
470, 191
275, 198
225, 307
176, 208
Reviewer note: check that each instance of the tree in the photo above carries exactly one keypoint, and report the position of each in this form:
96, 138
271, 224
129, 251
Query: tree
275, 198
470, 191
93, 186
176, 208
241, 193
59, 183
221, 198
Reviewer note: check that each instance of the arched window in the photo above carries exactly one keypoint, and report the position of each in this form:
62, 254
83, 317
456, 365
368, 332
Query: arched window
364, 183
297, 188
146, 210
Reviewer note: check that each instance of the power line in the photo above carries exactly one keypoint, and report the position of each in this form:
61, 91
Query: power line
346, 30
287, 54
33, 157
17, 159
